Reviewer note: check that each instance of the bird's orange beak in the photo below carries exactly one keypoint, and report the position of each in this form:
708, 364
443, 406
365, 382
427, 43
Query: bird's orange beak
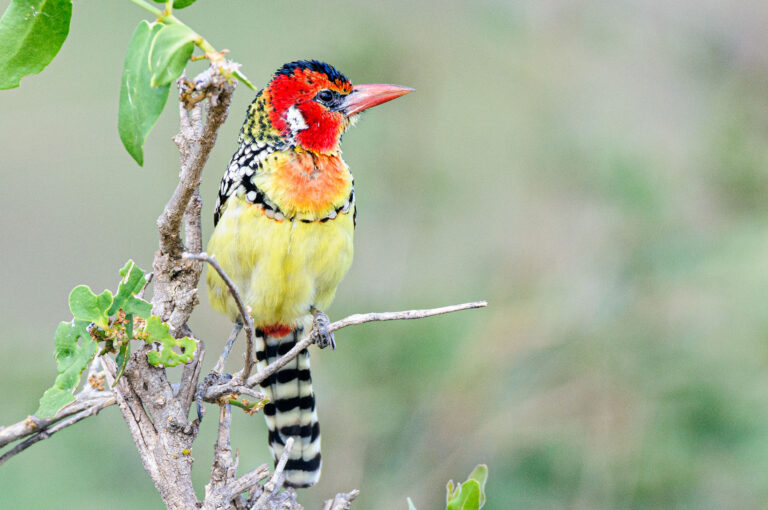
370, 95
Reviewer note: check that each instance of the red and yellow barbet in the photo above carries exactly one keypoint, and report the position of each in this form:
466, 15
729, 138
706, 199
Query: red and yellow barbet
284, 223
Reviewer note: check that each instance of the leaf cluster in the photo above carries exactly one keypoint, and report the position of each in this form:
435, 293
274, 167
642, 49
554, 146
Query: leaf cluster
157, 55
110, 321
33, 31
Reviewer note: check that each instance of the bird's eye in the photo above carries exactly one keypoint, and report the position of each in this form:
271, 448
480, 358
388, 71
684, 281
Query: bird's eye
326, 96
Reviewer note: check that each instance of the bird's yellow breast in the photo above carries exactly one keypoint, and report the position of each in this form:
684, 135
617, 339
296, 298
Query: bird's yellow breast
280, 267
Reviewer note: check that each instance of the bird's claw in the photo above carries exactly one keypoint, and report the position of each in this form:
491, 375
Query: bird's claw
321, 335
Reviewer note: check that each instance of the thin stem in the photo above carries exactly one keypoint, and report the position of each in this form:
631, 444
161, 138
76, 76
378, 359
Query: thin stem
219, 368
48, 432
151, 8
273, 485
214, 392
216, 57
247, 321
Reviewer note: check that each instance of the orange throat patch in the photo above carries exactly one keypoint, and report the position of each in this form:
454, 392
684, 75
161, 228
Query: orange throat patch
311, 184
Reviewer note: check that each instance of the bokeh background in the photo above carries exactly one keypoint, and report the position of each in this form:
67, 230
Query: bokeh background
597, 170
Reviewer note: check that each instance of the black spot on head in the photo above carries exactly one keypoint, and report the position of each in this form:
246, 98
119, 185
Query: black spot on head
313, 65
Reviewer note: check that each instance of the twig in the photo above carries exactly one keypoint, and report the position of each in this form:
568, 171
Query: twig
221, 363
189, 377
49, 431
341, 501
222, 469
353, 320
274, 483
214, 392
147, 281
86, 398
33, 424
247, 321
360, 318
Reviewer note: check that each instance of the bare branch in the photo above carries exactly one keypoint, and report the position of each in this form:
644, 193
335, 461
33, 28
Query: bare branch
223, 468
45, 433
274, 483
189, 377
221, 363
195, 142
248, 480
223, 488
247, 321
193, 231
342, 501
361, 318
353, 320
33, 424
216, 391
147, 281
91, 395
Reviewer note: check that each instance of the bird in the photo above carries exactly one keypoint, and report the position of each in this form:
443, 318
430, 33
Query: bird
284, 224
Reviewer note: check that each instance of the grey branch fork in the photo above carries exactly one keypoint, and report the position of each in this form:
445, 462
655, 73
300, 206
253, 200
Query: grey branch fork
156, 411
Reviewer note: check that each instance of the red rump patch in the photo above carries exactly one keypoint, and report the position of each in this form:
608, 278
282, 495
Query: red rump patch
277, 330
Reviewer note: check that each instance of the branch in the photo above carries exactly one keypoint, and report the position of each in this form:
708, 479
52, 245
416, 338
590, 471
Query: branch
274, 483
157, 416
33, 424
216, 391
361, 318
247, 321
342, 501
195, 142
46, 433
223, 487
90, 396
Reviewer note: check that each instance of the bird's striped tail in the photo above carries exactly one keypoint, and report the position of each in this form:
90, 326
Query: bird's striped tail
291, 410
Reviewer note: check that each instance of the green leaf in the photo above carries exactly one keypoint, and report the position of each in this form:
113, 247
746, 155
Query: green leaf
480, 475
159, 332
469, 495
240, 76
122, 360
89, 307
178, 4
132, 283
31, 34
169, 53
129, 325
411, 506
140, 103
71, 359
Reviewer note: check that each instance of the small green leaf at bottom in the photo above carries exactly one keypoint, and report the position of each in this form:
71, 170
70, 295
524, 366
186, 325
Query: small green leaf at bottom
469, 495
71, 359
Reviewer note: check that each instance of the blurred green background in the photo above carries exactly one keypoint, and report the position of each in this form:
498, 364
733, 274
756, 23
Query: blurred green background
596, 170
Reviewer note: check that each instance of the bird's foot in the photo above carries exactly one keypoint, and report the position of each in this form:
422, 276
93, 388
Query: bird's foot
321, 335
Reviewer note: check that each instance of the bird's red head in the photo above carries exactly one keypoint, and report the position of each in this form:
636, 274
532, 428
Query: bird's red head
311, 103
